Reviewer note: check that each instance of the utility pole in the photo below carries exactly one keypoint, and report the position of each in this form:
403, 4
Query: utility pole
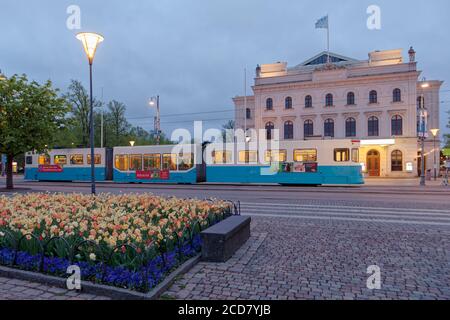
157, 119
101, 124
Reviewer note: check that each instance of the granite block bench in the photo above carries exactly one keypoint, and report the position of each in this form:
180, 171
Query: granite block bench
222, 240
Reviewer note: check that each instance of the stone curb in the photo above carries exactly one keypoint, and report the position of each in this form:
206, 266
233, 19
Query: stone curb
100, 289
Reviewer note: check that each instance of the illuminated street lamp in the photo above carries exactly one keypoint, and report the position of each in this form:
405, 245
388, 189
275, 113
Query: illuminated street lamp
132, 143
90, 42
434, 132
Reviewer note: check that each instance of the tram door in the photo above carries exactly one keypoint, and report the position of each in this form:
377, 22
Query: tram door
373, 163
109, 164
201, 168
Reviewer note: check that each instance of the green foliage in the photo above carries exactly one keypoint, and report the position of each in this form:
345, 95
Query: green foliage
32, 115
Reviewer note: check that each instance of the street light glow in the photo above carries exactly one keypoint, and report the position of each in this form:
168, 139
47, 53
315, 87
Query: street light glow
90, 42
434, 132
132, 143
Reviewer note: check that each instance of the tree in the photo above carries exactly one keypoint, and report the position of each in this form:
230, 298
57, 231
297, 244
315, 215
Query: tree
31, 115
228, 131
447, 136
117, 122
79, 100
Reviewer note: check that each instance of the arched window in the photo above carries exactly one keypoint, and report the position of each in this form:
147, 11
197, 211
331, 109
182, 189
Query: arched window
288, 130
350, 127
373, 97
397, 95
269, 104
350, 98
397, 125
372, 127
329, 100
308, 128
269, 130
248, 113
308, 102
288, 103
396, 160
328, 128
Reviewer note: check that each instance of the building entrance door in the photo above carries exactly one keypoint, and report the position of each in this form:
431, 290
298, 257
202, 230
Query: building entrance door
373, 163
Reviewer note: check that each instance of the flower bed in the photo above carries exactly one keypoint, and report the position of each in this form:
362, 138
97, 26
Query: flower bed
129, 241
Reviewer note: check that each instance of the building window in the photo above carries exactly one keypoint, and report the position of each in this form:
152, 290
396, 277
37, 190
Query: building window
269, 104
308, 102
350, 99
288, 130
350, 127
328, 128
372, 125
288, 103
329, 100
396, 160
248, 113
420, 102
308, 128
397, 95
269, 130
373, 97
397, 125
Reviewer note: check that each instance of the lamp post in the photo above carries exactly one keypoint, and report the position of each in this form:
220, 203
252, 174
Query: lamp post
434, 132
132, 143
422, 131
155, 101
90, 42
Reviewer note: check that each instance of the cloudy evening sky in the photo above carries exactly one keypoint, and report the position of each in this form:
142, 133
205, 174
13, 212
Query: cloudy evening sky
193, 52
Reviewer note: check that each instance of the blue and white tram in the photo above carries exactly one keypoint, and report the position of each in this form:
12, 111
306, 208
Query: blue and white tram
65, 165
157, 164
315, 162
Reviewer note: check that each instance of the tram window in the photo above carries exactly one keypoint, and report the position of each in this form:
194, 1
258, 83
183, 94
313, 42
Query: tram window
135, 162
305, 155
355, 155
341, 155
60, 159
97, 157
248, 156
185, 161
44, 159
276, 156
121, 162
152, 161
169, 161
222, 157
29, 160
77, 159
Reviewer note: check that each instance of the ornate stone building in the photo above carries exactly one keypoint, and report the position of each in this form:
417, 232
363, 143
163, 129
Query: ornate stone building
375, 101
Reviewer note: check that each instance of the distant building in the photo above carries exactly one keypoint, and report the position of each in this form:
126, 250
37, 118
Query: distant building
372, 100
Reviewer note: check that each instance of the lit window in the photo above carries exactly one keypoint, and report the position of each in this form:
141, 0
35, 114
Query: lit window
305, 155
97, 157
248, 157
135, 162
341, 155
222, 157
60, 159
77, 159
170, 162
44, 159
355, 155
185, 161
276, 155
121, 162
152, 161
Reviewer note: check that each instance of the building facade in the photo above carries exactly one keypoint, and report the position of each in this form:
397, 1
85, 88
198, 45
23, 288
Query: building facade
335, 97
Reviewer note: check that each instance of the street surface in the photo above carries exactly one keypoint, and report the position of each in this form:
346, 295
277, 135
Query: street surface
316, 242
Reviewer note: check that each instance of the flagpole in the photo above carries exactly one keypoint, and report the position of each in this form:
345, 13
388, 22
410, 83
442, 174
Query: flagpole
328, 39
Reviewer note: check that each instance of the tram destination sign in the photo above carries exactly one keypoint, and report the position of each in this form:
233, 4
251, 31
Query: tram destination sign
50, 168
153, 175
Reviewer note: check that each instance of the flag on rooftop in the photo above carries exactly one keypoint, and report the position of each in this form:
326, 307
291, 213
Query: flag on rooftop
322, 23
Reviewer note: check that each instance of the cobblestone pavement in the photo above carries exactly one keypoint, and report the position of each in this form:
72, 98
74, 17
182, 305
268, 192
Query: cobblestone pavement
291, 258
13, 289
